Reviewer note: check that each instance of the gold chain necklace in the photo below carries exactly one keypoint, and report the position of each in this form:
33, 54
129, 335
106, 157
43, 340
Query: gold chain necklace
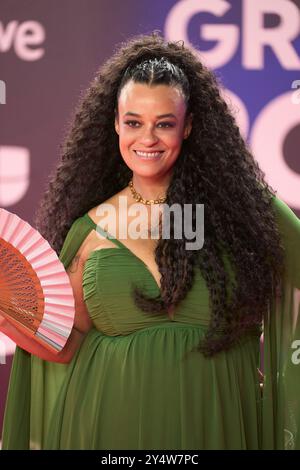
139, 198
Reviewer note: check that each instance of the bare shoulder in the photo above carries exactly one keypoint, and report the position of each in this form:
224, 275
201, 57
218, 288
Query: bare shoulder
96, 214
94, 242
91, 242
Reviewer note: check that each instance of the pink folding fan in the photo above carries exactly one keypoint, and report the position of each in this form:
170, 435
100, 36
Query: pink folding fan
35, 291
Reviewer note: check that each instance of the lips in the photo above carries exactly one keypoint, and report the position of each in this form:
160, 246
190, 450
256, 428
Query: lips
152, 154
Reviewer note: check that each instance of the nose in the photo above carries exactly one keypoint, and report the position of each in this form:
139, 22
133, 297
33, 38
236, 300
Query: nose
148, 136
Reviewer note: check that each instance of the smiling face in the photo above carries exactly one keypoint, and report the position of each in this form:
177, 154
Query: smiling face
151, 125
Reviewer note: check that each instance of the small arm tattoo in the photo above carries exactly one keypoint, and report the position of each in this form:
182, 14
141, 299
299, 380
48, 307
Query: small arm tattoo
74, 264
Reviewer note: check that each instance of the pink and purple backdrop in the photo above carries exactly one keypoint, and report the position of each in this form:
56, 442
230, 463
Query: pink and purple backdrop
50, 50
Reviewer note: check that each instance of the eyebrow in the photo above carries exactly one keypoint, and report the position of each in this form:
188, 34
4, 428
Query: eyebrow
130, 113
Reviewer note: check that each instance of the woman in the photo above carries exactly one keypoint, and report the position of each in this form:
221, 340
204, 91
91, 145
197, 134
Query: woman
165, 347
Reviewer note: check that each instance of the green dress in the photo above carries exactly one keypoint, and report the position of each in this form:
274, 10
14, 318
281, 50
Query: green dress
135, 384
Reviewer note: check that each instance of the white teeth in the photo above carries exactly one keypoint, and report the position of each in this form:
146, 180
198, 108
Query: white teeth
147, 154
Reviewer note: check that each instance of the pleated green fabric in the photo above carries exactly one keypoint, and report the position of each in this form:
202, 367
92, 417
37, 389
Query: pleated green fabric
135, 384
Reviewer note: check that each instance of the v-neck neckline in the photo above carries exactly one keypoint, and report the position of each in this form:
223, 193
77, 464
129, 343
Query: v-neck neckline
121, 245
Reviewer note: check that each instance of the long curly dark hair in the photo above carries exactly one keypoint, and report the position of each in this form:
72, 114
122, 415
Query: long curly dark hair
214, 168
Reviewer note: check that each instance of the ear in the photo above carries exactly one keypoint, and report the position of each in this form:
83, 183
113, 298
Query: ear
116, 123
188, 126
117, 127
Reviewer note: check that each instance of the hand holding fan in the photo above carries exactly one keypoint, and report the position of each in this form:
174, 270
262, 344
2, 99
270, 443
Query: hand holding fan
35, 291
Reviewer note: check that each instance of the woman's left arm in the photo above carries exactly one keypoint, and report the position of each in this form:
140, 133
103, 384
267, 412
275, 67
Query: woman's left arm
289, 227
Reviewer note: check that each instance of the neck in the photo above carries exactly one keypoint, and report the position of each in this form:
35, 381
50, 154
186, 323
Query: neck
150, 188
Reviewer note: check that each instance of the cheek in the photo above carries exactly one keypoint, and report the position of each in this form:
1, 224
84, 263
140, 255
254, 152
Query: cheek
124, 143
174, 141
126, 138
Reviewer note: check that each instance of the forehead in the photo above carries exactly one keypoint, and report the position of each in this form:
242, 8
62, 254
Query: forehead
140, 97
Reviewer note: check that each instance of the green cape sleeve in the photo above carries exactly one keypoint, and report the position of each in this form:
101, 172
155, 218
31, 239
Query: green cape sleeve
34, 383
281, 396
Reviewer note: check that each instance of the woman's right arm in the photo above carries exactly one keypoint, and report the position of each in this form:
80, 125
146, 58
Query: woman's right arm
82, 321
31, 345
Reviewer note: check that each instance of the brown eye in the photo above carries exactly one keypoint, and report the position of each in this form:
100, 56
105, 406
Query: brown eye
166, 124
131, 123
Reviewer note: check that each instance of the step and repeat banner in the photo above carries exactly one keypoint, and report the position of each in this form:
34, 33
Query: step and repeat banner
50, 51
